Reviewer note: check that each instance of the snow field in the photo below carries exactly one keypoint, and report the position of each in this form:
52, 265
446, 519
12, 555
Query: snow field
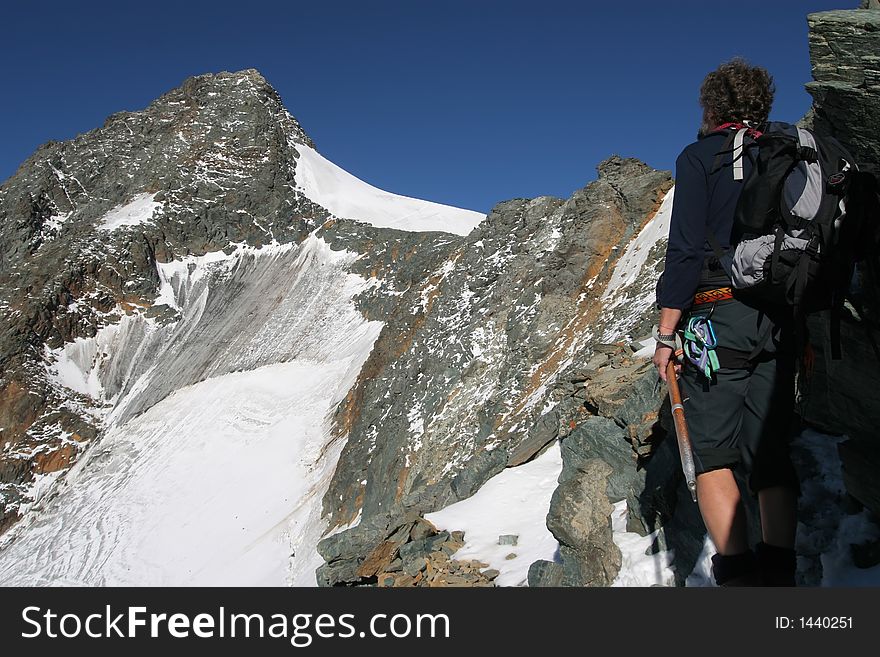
219, 482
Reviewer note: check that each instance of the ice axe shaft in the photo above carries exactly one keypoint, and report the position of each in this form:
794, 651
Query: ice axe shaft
681, 431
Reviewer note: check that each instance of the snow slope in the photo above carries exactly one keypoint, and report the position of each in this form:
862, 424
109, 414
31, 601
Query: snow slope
216, 484
348, 197
631, 291
218, 451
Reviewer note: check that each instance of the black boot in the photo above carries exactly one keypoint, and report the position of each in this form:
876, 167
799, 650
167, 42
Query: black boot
736, 569
778, 565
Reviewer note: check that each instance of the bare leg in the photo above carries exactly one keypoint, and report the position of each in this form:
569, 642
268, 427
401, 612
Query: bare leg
722, 511
778, 506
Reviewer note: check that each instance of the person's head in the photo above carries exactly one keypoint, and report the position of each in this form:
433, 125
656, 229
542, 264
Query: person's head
736, 92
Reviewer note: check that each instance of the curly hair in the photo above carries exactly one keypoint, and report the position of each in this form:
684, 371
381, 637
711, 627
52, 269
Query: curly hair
737, 91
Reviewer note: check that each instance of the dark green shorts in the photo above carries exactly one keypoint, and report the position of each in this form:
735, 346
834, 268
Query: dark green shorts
743, 418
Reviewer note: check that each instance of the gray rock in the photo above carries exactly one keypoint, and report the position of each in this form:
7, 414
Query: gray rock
541, 434
866, 554
479, 469
602, 438
546, 573
415, 549
413, 566
579, 518
846, 79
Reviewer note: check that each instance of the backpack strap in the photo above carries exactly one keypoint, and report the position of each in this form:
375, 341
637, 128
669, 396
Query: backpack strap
738, 153
734, 144
763, 339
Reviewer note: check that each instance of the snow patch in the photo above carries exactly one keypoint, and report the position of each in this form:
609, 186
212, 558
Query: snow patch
53, 224
638, 568
137, 211
831, 529
515, 501
75, 365
633, 259
624, 302
647, 350
349, 197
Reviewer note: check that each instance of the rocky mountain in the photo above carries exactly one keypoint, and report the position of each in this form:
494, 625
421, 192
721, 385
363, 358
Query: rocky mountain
227, 360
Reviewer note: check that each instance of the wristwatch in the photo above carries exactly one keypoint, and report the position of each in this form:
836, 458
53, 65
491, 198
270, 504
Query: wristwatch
668, 339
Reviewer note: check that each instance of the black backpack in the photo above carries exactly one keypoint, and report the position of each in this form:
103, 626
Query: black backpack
805, 217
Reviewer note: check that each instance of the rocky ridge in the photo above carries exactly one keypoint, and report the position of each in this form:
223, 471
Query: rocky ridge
470, 384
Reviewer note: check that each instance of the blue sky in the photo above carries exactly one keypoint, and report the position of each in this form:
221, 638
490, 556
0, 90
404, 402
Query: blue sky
466, 103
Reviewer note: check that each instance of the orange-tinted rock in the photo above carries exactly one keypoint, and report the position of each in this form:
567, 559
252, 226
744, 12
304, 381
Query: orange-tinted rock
55, 460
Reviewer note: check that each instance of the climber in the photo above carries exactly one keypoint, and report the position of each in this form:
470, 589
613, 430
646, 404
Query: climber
737, 376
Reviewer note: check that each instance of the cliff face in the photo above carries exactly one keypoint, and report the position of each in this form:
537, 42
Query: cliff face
845, 52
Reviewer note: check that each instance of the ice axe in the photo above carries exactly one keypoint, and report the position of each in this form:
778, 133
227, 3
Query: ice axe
681, 430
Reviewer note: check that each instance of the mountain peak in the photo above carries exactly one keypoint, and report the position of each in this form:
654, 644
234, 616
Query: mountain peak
219, 95
617, 167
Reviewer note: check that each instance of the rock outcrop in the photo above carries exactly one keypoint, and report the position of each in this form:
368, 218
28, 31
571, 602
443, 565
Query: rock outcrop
845, 54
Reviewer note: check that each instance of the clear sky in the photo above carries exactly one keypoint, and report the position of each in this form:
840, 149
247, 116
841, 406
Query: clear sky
462, 102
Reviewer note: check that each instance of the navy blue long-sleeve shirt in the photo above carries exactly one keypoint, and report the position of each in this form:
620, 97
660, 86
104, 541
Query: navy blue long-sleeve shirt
703, 200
